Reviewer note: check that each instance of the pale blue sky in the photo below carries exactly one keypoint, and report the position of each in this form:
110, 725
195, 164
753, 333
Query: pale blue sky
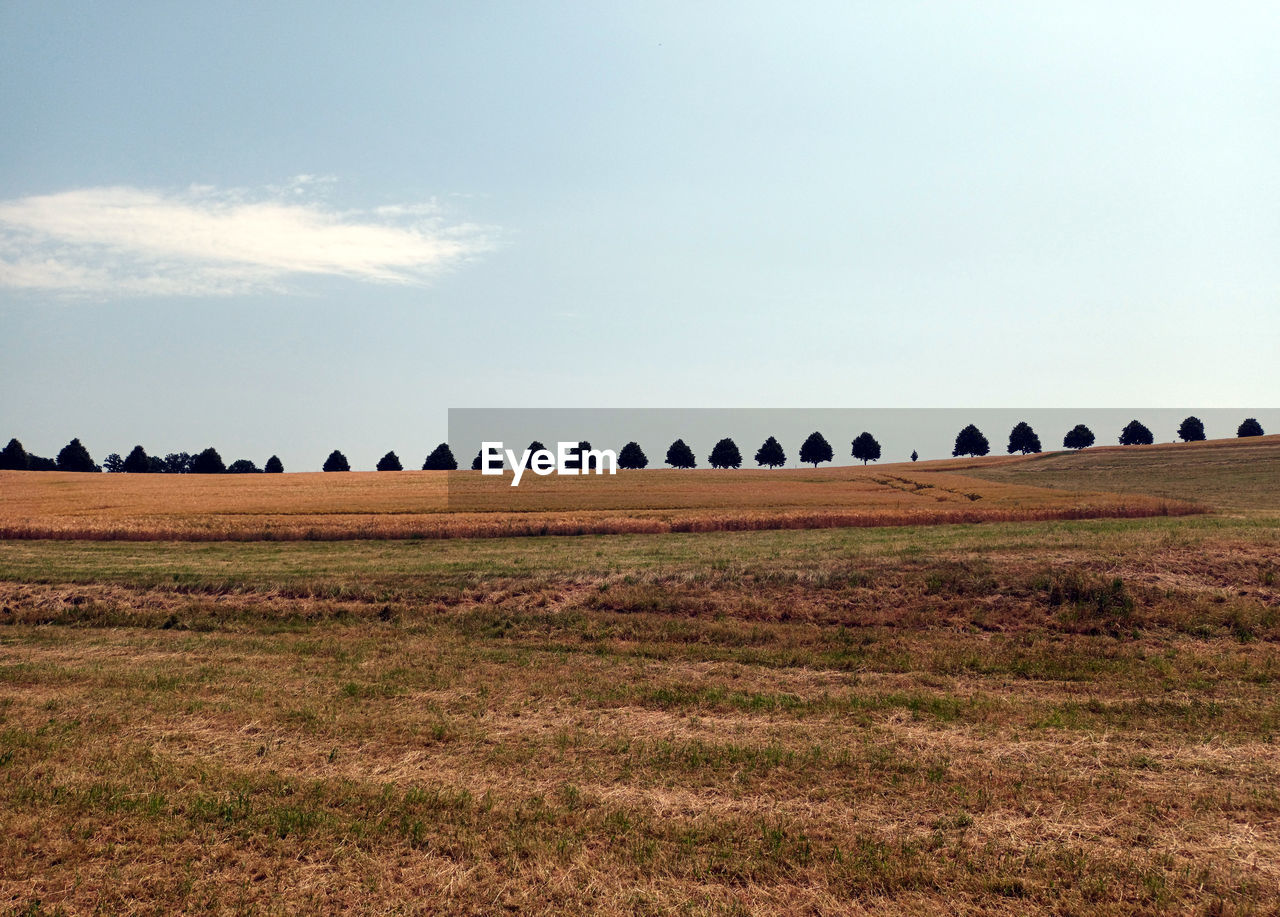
285, 228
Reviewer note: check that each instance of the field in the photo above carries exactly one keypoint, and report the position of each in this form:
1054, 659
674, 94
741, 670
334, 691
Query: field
1067, 716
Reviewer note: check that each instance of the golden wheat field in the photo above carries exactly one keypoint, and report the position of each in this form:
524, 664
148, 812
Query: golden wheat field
423, 504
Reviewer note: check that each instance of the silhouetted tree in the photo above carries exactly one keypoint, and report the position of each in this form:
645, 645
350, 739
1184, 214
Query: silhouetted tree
75, 457
243, 466
970, 441
390, 462
177, 463
1191, 430
1250, 427
679, 455
40, 463
208, 462
914, 455
137, 462
816, 449
1135, 434
632, 457
113, 463
866, 448
475, 462
725, 454
274, 465
1078, 437
580, 459
440, 459
155, 465
771, 453
14, 458
1023, 439
536, 447
336, 462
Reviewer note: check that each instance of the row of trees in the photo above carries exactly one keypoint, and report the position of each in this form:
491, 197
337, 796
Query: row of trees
814, 451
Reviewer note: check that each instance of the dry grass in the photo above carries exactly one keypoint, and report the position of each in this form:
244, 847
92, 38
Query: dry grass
466, 504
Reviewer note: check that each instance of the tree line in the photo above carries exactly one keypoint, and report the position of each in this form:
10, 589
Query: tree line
815, 450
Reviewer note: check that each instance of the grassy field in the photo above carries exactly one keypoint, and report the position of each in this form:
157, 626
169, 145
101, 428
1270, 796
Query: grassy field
1066, 717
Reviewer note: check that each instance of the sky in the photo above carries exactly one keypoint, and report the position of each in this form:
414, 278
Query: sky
284, 228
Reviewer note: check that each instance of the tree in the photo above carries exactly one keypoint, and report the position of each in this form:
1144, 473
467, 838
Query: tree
390, 462
914, 455
113, 463
1250, 427
475, 462
75, 457
1135, 434
632, 457
14, 458
40, 463
1023, 439
1191, 430
866, 448
536, 447
137, 462
274, 465
816, 449
725, 454
243, 466
679, 455
208, 462
177, 463
970, 441
155, 465
771, 453
440, 459
336, 462
1078, 437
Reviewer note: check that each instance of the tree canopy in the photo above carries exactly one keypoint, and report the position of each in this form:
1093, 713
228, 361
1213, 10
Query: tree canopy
1191, 430
632, 457
866, 448
679, 455
1250, 427
113, 463
440, 459
771, 454
1023, 439
336, 462
1135, 434
725, 454
243, 466
137, 462
208, 462
970, 441
75, 457
816, 449
13, 457
274, 465
390, 462
915, 456
1078, 437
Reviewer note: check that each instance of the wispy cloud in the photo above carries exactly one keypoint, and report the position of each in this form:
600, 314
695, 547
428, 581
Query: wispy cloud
111, 241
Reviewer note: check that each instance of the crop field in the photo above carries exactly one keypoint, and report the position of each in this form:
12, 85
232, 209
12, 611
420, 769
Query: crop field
424, 504
1036, 715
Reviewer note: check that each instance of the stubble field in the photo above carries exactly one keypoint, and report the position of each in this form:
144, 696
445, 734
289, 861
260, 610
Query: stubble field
1012, 717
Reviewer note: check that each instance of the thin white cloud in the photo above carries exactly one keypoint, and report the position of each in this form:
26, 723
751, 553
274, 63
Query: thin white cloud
111, 241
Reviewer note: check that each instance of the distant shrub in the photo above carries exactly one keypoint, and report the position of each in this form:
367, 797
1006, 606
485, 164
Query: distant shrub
336, 462
390, 462
440, 459
915, 456
1078, 437
1191, 430
679, 455
1135, 434
1250, 427
208, 462
632, 457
